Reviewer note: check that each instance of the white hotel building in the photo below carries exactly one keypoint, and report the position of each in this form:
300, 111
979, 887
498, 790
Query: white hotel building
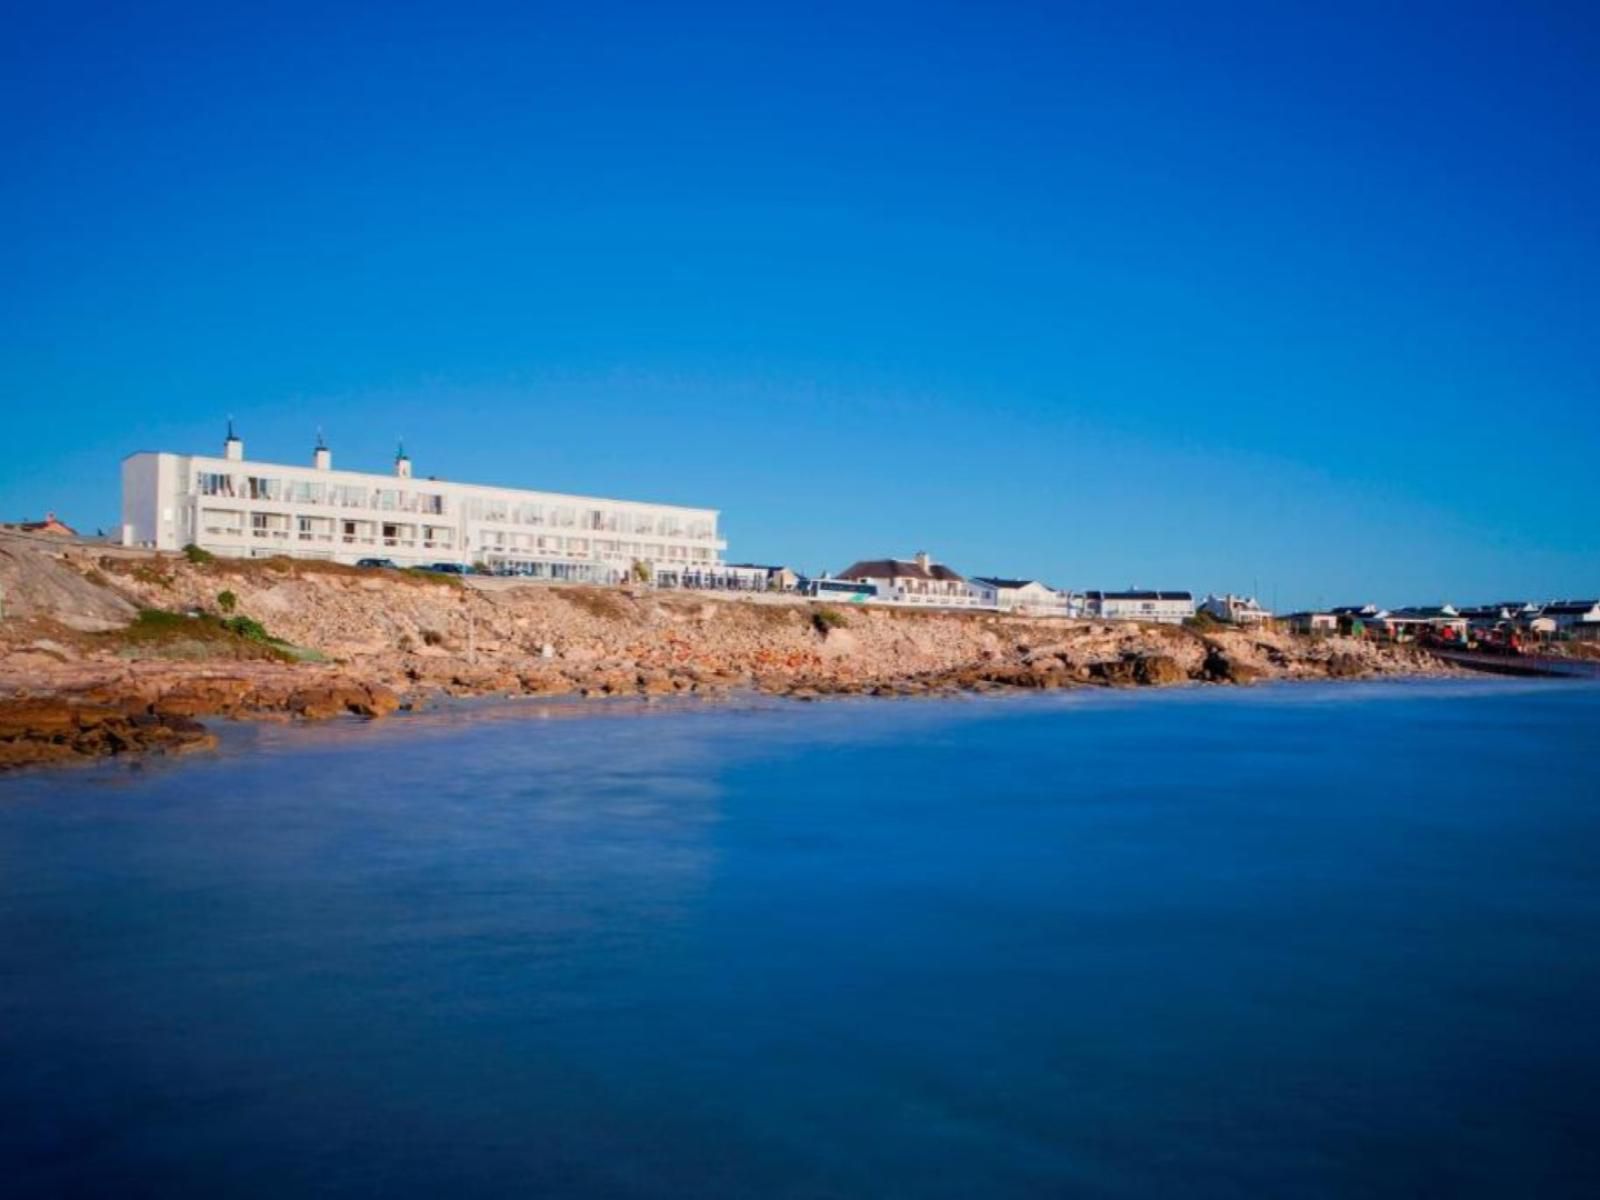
238, 508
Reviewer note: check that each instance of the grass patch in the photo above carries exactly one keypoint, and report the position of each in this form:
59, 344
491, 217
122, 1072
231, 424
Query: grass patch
227, 601
153, 575
597, 602
774, 615
162, 634
198, 556
437, 578
825, 619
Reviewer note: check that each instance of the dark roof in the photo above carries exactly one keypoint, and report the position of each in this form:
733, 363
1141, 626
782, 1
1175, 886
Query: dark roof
1140, 595
896, 568
1570, 608
992, 581
758, 567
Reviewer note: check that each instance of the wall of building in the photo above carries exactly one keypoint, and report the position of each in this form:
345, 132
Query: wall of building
150, 502
252, 509
1164, 611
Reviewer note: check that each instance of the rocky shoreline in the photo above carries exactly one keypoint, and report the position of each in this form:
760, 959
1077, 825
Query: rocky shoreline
106, 654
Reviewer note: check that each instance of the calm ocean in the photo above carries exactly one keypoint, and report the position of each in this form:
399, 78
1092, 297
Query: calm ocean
1288, 941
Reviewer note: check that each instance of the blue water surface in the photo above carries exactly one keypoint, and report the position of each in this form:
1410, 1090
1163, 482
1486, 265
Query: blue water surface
1304, 940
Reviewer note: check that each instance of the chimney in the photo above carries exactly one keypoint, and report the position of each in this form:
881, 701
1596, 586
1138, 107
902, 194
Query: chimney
321, 457
232, 447
923, 560
402, 464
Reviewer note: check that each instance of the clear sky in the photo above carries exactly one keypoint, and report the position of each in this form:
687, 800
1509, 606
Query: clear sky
1297, 297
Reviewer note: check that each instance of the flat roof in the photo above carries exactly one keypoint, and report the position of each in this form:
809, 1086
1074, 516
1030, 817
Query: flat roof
413, 480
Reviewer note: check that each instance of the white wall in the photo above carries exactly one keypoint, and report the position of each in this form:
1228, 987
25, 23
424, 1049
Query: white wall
149, 501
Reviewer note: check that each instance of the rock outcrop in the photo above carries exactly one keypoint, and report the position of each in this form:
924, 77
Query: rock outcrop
312, 641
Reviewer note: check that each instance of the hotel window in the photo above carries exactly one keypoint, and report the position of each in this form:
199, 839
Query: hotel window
432, 503
214, 484
262, 488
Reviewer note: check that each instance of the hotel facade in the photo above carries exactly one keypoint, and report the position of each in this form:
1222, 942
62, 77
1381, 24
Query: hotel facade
234, 507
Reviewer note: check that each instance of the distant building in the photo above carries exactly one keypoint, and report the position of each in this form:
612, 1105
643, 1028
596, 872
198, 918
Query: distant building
1442, 620
1312, 624
919, 581
1169, 608
1027, 596
1357, 620
1356, 610
1574, 616
773, 578
51, 525
1235, 610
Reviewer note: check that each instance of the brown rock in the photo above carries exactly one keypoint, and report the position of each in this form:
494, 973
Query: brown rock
1158, 670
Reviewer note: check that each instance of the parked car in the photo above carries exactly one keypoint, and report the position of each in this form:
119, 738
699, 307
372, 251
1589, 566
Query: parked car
448, 568
387, 563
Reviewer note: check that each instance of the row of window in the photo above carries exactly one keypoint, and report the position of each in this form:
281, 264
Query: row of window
225, 522
345, 495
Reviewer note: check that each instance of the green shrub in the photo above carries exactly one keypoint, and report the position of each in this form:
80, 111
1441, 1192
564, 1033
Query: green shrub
828, 618
198, 556
249, 627
227, 601
159, 620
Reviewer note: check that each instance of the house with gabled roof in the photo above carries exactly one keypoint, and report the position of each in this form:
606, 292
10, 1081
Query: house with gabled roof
918, 580
1028, 596
1169, 608
1572, 616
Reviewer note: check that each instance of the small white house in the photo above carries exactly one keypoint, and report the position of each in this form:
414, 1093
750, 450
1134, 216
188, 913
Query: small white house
1027, 596
1235, 610
1169, 608
1313, 624
1570, 616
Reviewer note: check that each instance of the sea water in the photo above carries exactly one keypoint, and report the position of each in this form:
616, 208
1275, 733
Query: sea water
1299, 940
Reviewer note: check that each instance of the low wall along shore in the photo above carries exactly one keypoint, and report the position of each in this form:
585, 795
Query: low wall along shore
104, 653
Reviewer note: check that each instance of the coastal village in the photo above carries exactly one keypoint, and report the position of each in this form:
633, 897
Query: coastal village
236, 589
230, 506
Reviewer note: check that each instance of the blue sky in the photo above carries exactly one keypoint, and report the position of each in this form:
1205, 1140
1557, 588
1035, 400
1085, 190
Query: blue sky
1292, 297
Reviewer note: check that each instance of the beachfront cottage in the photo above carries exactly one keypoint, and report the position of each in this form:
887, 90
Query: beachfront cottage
1235, 610
1169, 608
774, 578
1359, 620
919, 581
1312, 624
1440, 620
1580, 618
51, 525
1027, 596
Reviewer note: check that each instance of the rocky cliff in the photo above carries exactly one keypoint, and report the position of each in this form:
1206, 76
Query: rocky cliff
161, 636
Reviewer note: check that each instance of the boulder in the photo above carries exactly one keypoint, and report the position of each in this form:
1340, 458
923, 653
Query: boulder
1158, 670
1219, 667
